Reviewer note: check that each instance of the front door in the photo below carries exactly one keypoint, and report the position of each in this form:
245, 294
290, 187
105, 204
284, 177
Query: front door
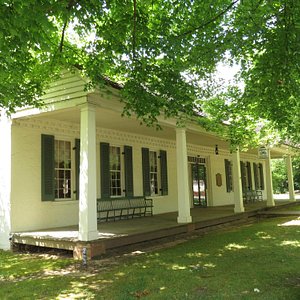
199, 185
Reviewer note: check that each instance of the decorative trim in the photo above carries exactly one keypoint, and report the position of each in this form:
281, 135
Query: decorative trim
49, 126
104, 134
120, 137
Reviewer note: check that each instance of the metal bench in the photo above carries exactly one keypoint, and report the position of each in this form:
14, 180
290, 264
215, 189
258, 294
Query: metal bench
252, 196
104, 209
123, 208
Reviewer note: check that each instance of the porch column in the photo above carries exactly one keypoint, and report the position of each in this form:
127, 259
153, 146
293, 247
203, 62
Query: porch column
269, 183
237, 182
252, 177
87, 178
289, 168
5, 181
184, 210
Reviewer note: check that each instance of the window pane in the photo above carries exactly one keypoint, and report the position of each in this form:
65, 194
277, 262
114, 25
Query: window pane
153, 172
115, 170
63, 169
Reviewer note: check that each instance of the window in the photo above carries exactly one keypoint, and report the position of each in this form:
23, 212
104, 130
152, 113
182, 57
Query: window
115, 171
246, 176
155, 175
258, 176
57, 167
228, 175
62, 159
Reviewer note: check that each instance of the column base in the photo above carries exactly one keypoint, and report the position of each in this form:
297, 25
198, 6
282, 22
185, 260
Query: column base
271, 203
185, 219
239, 209
5, 242
88, 236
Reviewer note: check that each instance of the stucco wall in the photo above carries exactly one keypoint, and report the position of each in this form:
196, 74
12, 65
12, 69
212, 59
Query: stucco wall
30, 213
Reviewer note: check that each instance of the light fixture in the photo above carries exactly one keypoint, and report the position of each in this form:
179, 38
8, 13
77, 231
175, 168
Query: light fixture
216, 150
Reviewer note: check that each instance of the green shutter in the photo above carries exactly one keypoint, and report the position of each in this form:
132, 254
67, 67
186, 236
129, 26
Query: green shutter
47, 165
243, 176
256, 181
128, 171
77, 166
164, 172
146, 171
261, 175
249, 176
105, 176
227, 175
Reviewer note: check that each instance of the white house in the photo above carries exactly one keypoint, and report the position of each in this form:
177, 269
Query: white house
56, 161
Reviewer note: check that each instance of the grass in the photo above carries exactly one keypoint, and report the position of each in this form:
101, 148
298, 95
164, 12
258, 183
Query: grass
258, 261
293, 208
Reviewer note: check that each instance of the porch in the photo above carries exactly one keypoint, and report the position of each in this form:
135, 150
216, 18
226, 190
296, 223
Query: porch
129, 232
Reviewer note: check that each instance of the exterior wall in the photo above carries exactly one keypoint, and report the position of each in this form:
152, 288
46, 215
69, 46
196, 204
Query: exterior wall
69, 86
30, 213
27, 210
162, 204
219, 193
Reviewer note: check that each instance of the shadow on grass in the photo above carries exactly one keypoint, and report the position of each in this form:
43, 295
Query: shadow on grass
255, 261
258, 261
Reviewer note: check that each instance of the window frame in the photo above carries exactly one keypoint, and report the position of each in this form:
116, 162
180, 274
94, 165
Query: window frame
157, 172
228, 175
162, 172
121, 171
71, 169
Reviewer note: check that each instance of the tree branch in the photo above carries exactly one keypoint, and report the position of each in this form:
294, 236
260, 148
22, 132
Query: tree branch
68, 7
62, 37
134, 31
208, 22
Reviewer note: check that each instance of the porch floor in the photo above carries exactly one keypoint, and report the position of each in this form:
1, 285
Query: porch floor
130, 231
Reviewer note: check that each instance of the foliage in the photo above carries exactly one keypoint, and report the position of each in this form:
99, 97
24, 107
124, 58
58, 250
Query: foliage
279, 175
258, 261
164, 54
296, 172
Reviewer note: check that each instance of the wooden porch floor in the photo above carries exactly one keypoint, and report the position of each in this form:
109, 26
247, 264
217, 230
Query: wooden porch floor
127, 232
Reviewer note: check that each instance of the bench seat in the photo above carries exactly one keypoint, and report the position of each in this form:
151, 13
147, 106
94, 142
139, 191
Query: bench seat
123, 208
252, 196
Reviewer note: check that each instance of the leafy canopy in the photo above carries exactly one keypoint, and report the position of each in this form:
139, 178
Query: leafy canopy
164, 54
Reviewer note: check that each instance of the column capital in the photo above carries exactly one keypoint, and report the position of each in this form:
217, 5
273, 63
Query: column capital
87, 106
180, 129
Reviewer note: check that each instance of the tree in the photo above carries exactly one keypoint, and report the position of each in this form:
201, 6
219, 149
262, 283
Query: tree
279, 175
164, 54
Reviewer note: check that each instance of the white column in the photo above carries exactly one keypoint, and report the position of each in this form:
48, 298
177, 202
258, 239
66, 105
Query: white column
289, 168
237, 182
5, 181
184, 210
87, 189
269, 183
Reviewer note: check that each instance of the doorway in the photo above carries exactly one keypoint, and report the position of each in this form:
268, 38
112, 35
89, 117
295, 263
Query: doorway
199, 185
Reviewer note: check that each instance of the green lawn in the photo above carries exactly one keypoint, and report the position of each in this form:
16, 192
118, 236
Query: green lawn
292, 208
259, 261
